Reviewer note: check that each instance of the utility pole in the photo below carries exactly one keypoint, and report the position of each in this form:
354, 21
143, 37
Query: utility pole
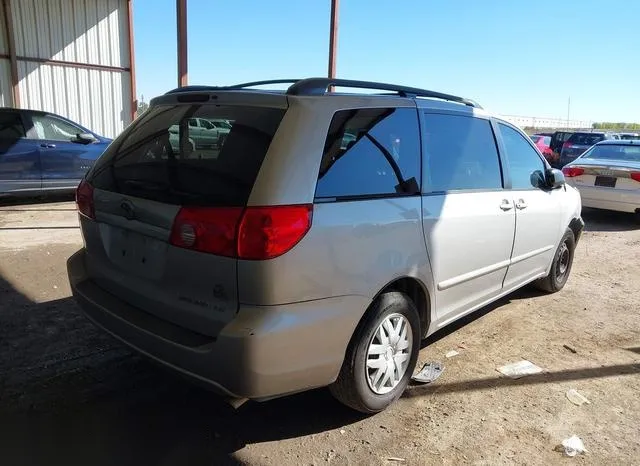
181, 16
568, 111
333, 38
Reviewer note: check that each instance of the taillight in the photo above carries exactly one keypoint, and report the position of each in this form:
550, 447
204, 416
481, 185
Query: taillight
249, 233
571, 172
635, 176
84, 199
268, 232
566, 145
207, 229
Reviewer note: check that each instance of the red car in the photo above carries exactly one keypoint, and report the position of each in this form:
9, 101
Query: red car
543, 143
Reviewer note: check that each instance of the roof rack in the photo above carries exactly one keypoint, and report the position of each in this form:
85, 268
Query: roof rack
320, 86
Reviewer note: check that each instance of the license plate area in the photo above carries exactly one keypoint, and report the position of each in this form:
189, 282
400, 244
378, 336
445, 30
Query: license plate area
135, 253
606, 181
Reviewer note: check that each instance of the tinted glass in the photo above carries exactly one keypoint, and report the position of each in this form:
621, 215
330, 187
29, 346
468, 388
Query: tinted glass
158, 157
371, 152
526, 167
535, 139
11, 126
460, 153
627, 153
546, 140
585, 139
52, 128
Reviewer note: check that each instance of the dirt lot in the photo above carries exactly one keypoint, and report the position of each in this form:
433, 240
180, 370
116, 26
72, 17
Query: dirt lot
71, 395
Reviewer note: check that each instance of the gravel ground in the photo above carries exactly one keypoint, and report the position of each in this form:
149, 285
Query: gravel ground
70, 394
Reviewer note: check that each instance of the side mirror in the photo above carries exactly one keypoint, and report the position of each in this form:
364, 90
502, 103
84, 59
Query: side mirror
555, 178
84, 138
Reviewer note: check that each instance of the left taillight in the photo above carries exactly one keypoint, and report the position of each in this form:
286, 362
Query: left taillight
84, 200
635, 176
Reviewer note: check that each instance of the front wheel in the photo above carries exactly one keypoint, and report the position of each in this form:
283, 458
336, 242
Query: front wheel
381, 356
561, 265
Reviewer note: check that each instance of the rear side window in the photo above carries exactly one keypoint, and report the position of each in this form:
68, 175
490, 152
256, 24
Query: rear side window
163, 158
460, 153
373, 152
11, 126
585, 139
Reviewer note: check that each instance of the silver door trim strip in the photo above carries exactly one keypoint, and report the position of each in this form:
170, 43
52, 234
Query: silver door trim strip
451, 282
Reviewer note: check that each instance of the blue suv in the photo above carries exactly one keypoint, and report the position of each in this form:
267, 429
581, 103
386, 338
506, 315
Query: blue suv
42, 152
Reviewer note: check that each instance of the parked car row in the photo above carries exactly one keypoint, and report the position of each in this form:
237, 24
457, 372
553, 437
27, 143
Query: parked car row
562, 147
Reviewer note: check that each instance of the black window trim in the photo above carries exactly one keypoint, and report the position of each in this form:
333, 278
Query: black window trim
501, 162
503, 151
365, 197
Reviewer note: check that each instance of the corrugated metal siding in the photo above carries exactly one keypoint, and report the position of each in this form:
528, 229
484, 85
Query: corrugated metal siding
83, 31
95, 99
6, 99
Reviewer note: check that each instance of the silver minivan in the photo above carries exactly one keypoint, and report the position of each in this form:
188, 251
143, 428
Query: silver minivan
327, 236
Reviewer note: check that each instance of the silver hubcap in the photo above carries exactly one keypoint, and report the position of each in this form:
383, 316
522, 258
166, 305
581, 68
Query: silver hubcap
389, 353
563, 260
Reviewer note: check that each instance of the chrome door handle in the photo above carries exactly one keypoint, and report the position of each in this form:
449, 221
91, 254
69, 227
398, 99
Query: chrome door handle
521, 204
48, 146
506, 205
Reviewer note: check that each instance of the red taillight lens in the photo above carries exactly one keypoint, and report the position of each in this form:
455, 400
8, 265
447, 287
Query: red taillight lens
571, 172
207, 229
635, 176
84, 199
249, 233
268, 232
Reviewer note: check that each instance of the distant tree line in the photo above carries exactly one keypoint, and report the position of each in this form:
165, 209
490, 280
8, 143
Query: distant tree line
616, 126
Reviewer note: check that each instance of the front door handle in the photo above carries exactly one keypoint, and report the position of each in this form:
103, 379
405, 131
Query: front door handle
506, 204
48, 146
521, 204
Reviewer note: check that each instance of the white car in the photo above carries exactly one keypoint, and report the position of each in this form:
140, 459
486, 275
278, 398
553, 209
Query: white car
608, 175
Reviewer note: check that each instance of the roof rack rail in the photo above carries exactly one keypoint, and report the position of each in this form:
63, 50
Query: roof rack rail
319, 86
231, 87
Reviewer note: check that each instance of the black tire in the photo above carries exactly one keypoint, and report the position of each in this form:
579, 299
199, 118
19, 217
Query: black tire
561, 265
352, 387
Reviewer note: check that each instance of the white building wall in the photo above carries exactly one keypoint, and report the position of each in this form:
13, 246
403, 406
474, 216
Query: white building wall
73, 60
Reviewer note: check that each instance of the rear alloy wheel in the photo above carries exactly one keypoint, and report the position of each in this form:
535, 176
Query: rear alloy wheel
381, 356
561, 266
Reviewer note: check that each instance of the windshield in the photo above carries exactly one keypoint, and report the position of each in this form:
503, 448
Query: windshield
168, 159
626, 153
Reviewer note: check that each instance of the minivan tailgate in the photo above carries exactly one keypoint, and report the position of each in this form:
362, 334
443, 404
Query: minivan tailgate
133, 260
150, 174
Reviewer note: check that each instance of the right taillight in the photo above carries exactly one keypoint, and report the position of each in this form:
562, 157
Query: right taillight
255, 233
635, 176
571, 172
84, 199
207, 229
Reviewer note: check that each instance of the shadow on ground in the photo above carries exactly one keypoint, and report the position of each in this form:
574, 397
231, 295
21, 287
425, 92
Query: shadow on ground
69, 394
608, 220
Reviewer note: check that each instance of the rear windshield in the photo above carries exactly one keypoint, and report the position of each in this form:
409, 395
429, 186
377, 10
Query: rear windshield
165, 158
620, 152
585, 139
535, 138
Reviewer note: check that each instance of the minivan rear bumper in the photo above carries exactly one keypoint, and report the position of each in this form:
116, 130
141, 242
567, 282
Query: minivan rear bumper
266, 351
